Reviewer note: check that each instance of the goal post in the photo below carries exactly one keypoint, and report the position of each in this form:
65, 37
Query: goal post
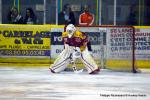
113, 46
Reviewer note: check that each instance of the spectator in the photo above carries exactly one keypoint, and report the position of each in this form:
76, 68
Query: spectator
14, 17
86, 18
30, 17
66, 16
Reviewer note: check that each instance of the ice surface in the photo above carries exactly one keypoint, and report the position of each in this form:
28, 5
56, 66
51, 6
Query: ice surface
40, 84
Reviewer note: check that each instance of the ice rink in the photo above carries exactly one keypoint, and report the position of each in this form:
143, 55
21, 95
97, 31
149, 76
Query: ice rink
40, 84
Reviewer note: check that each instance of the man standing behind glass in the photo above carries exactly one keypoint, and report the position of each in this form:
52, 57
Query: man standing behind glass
86, 18
66, 16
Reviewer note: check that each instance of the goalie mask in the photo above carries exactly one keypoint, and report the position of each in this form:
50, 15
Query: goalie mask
70, 29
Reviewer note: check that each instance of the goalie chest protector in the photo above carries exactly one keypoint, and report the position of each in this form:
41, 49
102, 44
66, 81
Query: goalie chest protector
78, 39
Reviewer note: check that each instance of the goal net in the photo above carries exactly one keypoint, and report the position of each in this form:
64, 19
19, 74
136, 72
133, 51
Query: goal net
113, 46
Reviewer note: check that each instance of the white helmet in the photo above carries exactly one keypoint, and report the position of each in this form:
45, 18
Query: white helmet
70, 29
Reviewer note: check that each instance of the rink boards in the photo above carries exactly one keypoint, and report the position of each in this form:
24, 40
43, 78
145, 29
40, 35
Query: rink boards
41, 44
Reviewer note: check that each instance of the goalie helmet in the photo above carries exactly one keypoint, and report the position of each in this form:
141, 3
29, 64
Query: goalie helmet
70, 29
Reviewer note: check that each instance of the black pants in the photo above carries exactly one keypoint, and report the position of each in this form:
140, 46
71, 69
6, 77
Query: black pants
89, 46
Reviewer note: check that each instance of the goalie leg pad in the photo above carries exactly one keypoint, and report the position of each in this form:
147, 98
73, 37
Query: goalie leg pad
61, 62
89, 62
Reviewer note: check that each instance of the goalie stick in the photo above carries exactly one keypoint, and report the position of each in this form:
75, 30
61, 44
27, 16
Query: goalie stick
74, 65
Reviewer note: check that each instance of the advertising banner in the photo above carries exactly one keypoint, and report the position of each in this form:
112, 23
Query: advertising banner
120, 43
24, 40
142, 43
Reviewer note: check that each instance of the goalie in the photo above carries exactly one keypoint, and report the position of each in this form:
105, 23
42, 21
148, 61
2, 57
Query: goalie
75, 43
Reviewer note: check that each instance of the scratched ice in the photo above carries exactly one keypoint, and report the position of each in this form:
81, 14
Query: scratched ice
40, 84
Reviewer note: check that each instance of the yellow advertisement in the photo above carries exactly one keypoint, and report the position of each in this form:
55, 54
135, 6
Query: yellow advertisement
24, 40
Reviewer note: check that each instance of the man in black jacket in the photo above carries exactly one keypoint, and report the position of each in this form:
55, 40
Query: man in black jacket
66, 16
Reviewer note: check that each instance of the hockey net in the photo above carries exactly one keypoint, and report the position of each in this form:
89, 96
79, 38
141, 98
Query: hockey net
113, 46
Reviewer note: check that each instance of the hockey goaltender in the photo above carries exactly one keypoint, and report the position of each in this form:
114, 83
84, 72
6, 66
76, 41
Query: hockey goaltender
75, 43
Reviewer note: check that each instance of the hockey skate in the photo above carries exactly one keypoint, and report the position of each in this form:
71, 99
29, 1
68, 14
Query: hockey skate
96, 71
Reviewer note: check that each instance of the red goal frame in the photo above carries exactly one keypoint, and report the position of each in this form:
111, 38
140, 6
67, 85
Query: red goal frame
134, 69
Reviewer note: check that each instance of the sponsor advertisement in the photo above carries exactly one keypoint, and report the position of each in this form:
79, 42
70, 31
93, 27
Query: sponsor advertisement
142, 43
24, 40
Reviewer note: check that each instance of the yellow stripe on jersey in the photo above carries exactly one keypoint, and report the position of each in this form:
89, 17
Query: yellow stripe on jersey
76, 34
64, 34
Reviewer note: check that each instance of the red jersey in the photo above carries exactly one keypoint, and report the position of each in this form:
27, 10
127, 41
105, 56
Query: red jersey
79, 39
86, 19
